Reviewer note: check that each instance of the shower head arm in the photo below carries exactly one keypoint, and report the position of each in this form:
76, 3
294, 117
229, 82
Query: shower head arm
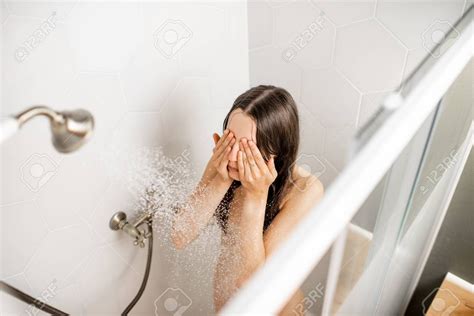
34, 111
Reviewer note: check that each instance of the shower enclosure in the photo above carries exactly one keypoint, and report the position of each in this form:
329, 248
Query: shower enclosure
162, 75
379, 219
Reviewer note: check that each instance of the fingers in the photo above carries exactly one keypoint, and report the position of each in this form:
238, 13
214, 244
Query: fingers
216, 138
247, 170
240, 163
224, 158
271, 166
257, 155
223, 142
254, 169
223, 153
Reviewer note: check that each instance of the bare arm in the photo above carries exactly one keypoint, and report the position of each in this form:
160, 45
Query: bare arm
196, 213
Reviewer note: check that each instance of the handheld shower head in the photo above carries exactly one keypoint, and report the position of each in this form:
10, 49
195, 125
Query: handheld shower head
70, 129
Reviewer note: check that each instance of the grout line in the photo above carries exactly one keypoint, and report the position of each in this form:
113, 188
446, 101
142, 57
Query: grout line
355, 22
376, 4
347, 79
391, 33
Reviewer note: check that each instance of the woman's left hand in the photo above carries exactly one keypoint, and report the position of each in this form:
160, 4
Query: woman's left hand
255, 174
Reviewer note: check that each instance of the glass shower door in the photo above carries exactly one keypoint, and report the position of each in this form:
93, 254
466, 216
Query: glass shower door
411, 201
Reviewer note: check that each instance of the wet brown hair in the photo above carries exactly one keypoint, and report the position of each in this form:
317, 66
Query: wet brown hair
276, 116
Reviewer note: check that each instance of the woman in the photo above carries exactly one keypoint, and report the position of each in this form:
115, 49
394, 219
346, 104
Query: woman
253, 187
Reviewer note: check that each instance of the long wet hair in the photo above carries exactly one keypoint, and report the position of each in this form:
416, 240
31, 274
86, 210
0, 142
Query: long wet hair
276, 116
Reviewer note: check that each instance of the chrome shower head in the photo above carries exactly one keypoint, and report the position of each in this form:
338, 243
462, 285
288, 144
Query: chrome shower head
70, 129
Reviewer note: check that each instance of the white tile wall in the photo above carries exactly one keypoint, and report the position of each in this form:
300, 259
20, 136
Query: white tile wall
103, 56
340, 72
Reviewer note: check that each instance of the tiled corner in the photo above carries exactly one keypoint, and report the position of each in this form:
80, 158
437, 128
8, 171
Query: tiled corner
369, 56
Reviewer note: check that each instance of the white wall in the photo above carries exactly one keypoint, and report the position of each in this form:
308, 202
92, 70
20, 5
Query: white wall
338, 73
103, 57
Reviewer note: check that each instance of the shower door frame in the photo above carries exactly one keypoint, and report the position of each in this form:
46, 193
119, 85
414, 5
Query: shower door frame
268, 290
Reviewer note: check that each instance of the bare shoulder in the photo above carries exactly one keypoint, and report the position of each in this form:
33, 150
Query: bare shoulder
304, 193
304, 187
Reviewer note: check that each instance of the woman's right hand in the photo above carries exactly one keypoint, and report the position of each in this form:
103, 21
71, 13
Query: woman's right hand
217, 165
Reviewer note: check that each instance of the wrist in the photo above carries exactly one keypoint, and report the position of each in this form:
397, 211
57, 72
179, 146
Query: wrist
256, 195
222, 183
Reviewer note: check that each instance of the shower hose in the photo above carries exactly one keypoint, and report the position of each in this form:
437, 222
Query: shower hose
145, 276
54, 311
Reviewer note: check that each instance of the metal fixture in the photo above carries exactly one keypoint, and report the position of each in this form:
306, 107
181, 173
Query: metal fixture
119, 222
71, 129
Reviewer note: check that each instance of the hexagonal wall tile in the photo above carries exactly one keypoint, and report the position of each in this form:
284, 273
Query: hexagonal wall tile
100, 46
23, 230
418, 18
369, 56
330, 97
307, 37
268, 67
61, 253
348, 11
39, 71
